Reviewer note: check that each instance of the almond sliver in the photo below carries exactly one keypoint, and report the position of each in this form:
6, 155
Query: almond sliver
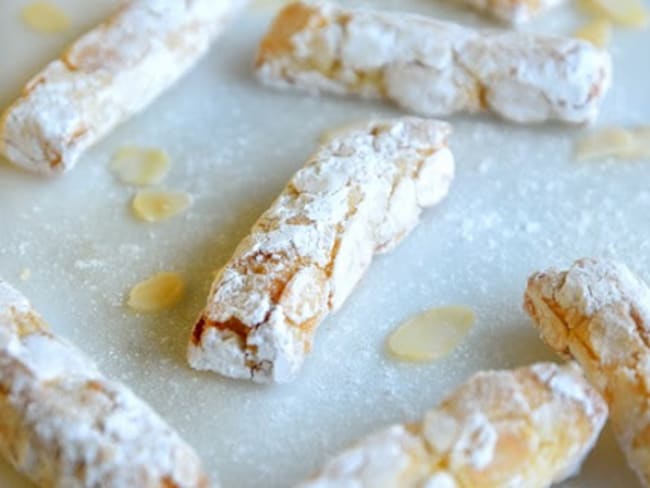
45, 17
160, 292
155, 205
140, 165
642, 147
632, 13
598, 32
606, 143
432, 334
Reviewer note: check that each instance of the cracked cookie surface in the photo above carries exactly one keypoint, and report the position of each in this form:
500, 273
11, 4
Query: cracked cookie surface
529, 427
64, 424
360, 194
598, 312
430, 67
107, 75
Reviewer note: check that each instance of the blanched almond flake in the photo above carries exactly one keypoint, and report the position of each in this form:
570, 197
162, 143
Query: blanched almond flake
25, 274
598, 32
631, 13
45, 17
140, 165
606, 143
432, 334
157, 205
642, 148
161, 291
615, 142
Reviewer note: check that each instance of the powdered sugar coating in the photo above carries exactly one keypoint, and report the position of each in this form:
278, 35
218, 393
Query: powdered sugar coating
62, 424
378, 461
598, 312
107, 75
500, 428
513, 11
434, 68
360, 194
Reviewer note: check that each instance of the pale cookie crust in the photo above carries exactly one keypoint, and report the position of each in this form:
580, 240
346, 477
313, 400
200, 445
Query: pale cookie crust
529, 427
360, 194
433, 68
106, 76
512, 11
599, 313
63, 424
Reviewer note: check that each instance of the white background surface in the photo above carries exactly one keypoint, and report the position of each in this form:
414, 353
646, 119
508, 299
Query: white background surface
519, 203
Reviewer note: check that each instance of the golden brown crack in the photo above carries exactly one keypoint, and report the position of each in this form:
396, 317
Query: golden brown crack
293, 19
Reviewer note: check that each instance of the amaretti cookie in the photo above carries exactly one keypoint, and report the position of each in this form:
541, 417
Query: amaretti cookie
433, 68
64, 424
598, 312
530, 427
107, 75
360, 194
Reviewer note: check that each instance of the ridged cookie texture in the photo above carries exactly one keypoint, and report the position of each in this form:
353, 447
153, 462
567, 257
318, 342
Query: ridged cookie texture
431, 67
63, 424
109, 74
530, 427
598, 312
360, 194
512, 11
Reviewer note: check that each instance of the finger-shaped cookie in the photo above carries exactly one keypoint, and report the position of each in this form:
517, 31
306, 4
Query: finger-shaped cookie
63, 424
528, 427
106, 76
433, 68
598, 312
360, 194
